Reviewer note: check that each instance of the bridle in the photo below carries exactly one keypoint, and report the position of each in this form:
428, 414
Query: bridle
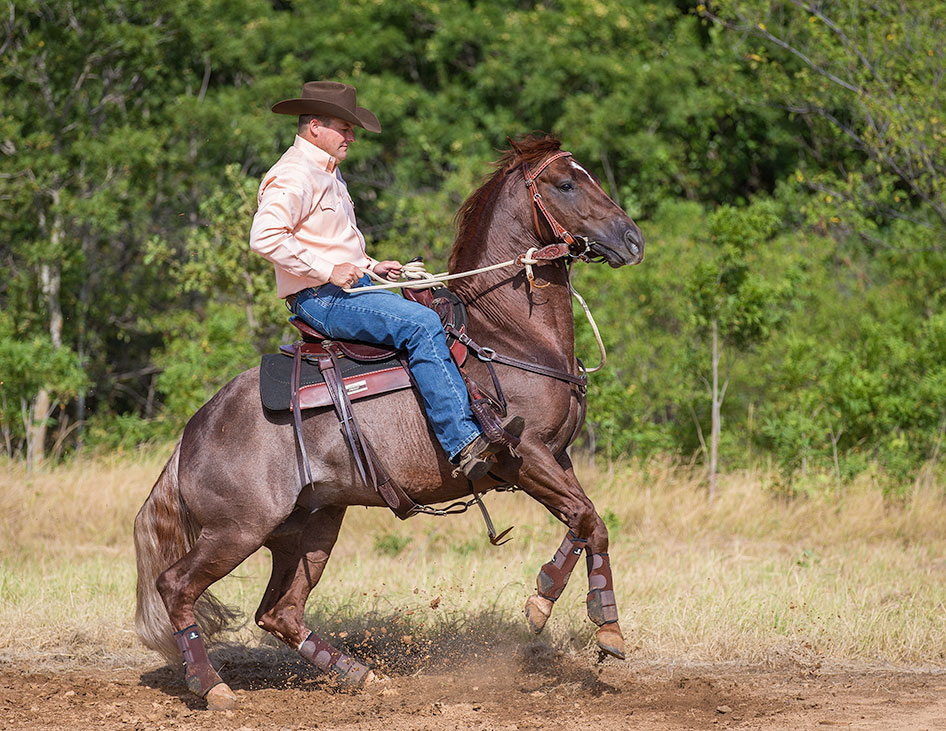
538, 207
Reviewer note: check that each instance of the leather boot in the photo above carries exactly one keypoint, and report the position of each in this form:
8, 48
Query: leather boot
478, 456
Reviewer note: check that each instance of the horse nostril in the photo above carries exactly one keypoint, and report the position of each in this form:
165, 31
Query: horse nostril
634, 241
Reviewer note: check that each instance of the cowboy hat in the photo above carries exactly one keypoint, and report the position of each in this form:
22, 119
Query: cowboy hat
332, 98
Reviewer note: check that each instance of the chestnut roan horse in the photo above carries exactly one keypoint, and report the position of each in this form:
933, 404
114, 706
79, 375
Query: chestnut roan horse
233, 483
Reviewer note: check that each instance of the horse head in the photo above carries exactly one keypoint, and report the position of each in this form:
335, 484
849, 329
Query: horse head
568, 204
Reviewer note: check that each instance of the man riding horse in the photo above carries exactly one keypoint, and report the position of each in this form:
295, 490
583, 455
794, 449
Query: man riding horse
306, 227
217, 501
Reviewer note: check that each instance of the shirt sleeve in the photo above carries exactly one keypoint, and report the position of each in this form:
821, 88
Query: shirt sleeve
282, 204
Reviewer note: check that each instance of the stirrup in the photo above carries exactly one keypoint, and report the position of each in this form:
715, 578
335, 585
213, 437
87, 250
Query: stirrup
477, 456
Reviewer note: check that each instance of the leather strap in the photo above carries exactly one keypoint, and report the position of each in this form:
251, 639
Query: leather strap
370, 469
538, 206
294, 378
488, 355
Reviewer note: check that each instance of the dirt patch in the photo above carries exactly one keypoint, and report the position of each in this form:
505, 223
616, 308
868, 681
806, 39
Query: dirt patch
528, 687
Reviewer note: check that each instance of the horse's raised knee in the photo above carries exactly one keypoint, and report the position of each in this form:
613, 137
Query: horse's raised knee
582, 519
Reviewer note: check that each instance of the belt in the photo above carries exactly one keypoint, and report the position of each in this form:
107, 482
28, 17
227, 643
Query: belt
291, 300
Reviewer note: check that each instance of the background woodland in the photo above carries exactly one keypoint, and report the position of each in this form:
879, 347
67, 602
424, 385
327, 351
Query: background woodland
785, 161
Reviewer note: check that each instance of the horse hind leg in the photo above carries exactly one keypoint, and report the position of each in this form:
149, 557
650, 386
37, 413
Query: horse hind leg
299, 559
210, 559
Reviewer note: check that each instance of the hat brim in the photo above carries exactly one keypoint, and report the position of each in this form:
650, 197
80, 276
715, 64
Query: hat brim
362, 117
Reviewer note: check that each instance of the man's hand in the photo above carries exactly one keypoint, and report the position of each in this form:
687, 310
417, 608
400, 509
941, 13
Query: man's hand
390, 270
345, 275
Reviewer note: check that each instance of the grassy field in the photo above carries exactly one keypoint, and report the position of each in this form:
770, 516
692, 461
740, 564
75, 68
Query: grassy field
752, 578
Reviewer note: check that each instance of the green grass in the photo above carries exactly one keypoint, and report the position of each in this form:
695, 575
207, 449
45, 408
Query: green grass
751, 578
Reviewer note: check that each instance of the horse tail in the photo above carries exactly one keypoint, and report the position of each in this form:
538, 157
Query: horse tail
164, 531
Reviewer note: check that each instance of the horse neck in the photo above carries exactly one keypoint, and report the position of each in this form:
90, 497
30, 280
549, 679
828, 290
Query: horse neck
502, 311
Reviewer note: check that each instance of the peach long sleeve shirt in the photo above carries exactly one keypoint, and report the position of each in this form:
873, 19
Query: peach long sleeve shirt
305, 223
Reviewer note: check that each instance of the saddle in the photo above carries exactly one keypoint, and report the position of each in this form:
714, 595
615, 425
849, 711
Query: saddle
365, 369
323, 372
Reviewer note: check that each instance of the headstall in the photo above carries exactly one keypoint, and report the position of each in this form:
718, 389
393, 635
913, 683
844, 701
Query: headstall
538, 206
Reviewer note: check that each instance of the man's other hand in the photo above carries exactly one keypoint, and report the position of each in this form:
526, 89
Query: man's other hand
390, 270
345, 275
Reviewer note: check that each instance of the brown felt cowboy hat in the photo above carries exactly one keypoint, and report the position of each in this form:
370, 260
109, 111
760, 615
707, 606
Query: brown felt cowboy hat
332, 98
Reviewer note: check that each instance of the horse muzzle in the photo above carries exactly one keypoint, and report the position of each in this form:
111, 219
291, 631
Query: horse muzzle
627, 251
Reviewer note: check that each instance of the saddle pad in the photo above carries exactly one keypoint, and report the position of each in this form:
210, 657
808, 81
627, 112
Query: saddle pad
360, 379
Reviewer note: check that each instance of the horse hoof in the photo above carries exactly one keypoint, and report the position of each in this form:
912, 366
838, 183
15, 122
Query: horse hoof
351, 674
611, 641
538, 611
221, 698
372, 679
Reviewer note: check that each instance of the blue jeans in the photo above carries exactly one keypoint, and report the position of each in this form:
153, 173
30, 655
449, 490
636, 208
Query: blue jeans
383, 318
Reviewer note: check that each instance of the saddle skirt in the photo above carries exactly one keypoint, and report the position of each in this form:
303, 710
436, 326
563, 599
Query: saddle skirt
365, 369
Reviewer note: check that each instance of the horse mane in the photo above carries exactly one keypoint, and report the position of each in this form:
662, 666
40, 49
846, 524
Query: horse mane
477, 210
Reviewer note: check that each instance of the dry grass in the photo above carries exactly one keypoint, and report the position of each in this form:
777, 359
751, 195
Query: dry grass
751, 578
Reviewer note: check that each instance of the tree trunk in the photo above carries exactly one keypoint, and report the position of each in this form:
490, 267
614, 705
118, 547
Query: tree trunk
714, 431
50, 274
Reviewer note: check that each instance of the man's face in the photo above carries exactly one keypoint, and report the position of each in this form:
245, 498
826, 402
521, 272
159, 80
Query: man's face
334, 137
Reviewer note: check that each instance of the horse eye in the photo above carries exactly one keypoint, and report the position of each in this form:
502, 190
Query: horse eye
565, 186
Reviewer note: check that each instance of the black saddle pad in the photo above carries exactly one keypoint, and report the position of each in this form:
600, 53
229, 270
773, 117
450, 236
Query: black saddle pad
275, 370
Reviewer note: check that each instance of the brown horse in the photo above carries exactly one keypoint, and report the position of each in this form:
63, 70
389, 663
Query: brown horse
233, 483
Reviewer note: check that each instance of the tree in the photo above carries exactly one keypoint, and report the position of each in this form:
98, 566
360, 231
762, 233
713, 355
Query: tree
867, 79
734, 306
28, 367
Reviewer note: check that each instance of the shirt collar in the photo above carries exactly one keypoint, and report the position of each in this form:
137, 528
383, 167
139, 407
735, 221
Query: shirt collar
315, 155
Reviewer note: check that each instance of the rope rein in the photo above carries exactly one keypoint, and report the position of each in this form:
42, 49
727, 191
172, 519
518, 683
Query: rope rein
418, 277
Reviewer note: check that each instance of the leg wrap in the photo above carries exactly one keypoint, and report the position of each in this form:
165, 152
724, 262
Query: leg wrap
329, 660
198, 672
602, 609
554, 575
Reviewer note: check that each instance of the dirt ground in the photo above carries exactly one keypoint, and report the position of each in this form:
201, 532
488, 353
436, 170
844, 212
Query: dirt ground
525, 687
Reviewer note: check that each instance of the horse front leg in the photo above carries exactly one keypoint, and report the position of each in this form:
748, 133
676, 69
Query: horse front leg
602, 606
553, 576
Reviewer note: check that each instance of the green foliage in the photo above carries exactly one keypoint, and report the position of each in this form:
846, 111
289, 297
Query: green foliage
203, 354
787, 163
390, 544
724, 286
126, 432
28, 364
866, 78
